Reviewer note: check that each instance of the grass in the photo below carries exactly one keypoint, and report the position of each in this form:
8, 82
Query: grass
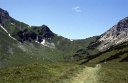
41, 73
114, 73
102, 73
111, 72
115, 69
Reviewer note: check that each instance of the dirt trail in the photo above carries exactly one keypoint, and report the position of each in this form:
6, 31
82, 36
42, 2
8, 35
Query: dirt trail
86, 75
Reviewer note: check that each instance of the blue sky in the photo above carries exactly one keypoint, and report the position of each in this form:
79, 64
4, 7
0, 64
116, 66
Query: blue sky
74, 19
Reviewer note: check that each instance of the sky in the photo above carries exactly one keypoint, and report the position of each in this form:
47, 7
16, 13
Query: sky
73, 19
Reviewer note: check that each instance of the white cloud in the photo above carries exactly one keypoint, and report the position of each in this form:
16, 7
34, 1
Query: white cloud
76, 9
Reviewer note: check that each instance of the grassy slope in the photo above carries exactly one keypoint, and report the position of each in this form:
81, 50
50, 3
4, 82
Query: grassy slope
13, 26
117, 53
41, 73
101, 73
70, 47
114, 73
66, 73
82, 74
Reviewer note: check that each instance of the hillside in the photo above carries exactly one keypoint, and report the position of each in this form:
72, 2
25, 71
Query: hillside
118, 53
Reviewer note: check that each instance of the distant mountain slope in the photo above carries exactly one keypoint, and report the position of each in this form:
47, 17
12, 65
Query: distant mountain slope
70, 47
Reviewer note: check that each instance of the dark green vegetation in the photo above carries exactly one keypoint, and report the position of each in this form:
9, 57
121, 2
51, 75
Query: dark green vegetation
117, 53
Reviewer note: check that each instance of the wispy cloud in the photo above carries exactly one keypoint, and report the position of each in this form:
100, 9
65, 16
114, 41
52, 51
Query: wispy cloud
77, 9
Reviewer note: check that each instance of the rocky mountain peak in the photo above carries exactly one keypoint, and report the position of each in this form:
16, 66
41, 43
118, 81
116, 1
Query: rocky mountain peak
115, 35
4, 16
46, 31
4, 13
123, 24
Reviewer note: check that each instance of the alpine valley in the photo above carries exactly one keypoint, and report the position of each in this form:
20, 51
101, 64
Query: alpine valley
35, 54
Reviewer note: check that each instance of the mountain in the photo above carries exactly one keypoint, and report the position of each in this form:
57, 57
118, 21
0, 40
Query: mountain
113, 44
20, 44
23, 44
115, 35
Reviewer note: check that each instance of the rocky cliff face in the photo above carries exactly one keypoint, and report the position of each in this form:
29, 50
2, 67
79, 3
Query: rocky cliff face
116, 35
43, 32
4, 16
